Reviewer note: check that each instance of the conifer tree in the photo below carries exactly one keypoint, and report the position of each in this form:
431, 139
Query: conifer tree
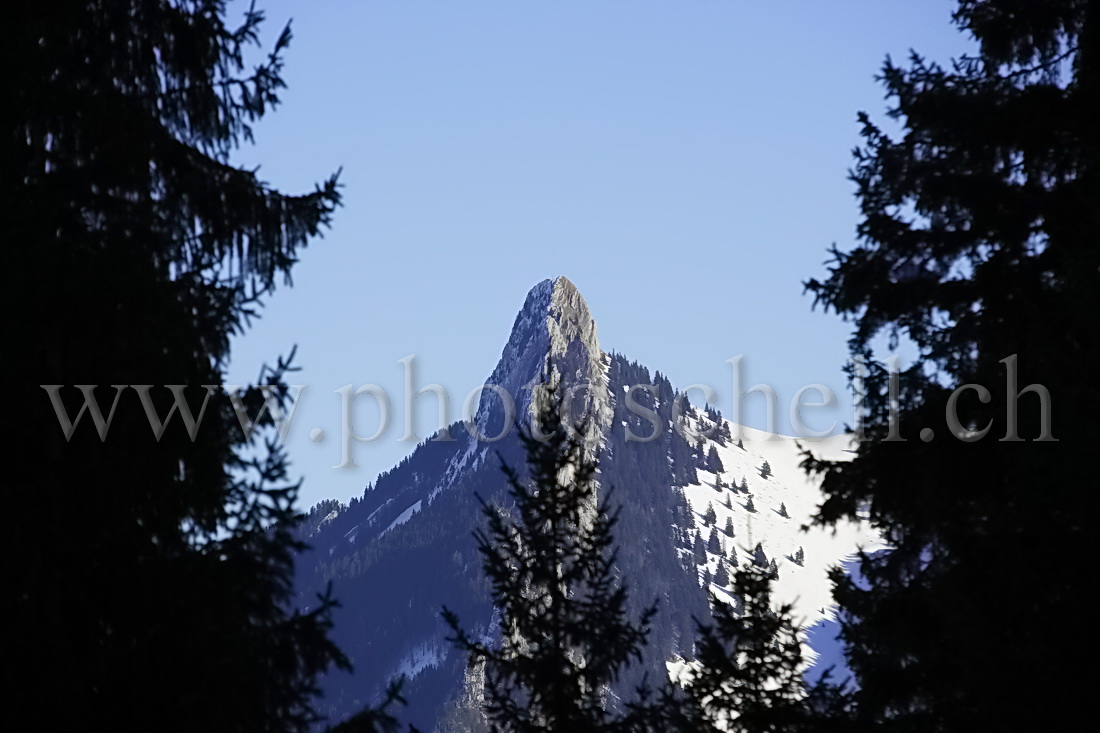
685, 518
750, 678
565, 634
977, 245
714, 461
157, 595
749, 505
714, 544
700, 549
783, 510
721, 575
709, 516
759, 559
729, 526
765, 470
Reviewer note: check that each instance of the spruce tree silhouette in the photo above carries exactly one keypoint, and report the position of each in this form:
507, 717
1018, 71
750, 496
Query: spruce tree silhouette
564, 631
977, 246
749, 675
714, 461
148, 572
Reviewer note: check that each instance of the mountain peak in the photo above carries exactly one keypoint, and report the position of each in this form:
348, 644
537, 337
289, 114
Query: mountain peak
554, 322
564, 287
570, 320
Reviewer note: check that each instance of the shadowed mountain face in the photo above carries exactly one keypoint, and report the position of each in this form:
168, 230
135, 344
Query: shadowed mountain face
405, 548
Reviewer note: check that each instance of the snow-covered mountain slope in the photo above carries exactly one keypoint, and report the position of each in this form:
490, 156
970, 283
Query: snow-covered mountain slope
783, 506
775, 512
403, 550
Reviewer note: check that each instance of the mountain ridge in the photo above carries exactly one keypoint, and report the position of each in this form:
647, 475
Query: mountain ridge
403, 549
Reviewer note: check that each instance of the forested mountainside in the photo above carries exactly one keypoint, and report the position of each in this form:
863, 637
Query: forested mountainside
692, 500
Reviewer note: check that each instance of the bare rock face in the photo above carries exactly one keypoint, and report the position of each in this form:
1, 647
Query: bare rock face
569, 320
554, 330
575, 350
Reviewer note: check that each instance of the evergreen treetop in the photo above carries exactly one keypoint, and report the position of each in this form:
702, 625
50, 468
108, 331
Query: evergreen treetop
710, 516
700, 549
714, 461
714, 544
750, 663
550, 561
721, 575
976, 245
160, 594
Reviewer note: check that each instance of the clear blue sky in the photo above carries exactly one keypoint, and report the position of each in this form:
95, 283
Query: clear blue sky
682, 162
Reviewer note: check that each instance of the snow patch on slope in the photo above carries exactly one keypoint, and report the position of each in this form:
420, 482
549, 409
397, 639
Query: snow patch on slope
807, 586
403, 517
421, 657
457, 465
